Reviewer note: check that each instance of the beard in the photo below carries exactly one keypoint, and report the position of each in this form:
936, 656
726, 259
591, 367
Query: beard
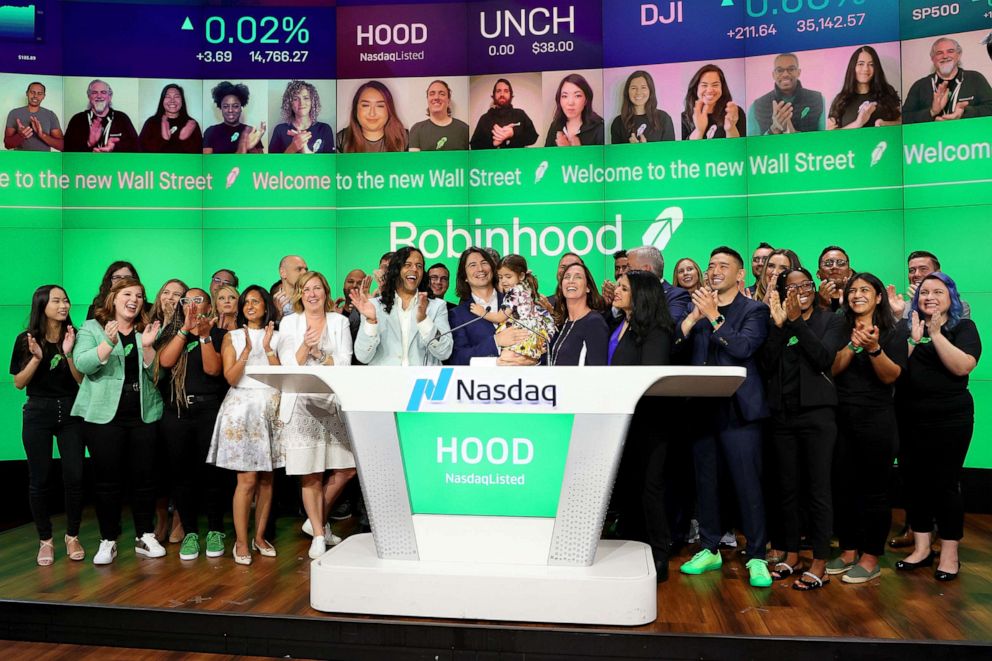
946, 69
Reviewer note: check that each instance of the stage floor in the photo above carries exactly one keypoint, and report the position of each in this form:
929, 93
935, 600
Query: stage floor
898, 606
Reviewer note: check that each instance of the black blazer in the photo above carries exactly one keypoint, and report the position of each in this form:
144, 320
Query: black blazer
655, 350
819, 340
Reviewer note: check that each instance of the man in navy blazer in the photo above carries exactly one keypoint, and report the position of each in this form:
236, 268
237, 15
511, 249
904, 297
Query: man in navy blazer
649, 258
475, 339
725, 328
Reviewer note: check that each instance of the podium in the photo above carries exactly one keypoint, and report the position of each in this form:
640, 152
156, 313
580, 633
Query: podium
487, 488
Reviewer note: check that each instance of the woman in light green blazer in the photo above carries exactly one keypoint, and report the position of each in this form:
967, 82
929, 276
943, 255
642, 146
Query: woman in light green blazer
119, 404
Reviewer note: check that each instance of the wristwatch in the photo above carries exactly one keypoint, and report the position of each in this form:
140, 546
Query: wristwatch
205, 340
877, 352
719, 320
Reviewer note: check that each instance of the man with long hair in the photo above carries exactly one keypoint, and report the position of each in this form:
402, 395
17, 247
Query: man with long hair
503, 126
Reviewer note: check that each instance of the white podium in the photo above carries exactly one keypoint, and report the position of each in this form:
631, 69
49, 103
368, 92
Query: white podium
487, 488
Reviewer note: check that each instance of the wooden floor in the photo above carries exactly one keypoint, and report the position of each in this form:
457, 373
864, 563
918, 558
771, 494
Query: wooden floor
896, 606
20, 651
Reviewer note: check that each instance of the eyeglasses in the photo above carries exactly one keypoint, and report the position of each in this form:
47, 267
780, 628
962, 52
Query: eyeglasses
115, 278
222, 281
759, 259
439, 278
778, 71
191, 299
830, 263
801, 286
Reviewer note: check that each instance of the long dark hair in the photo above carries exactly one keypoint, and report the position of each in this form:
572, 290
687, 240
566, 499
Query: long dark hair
271, 314
649, 307
882, 317
761, 288
627, 112
462, 288
593, 298
106, 283
588, 114
692, 94
393, 133
388, 292
38, 322
880, 91
183, 112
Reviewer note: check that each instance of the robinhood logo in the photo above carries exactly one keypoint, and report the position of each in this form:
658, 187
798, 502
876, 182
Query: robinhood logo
660, 232
476, 391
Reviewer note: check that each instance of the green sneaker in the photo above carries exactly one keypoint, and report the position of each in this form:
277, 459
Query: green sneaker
190, 550
838, 566
758, 569
215, 544
702, 562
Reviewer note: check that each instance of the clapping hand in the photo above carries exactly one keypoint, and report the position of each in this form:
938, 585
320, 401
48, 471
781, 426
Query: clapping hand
69, 341
270, 328
700, 118
421, 306
936, 323
109, 147
792, 309
916, 327
896, 301
150, 333
706, 303
777, 308
25, 131
361, 301
111, 330
609, 291
730, 117
958, 112
204, 325
33, 347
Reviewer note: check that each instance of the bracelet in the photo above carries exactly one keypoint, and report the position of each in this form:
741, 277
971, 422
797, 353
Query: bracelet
923, 340
850, 345
184, 333
270, 354
876, 353
719, 320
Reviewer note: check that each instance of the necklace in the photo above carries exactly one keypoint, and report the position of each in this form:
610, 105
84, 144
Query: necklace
560, 340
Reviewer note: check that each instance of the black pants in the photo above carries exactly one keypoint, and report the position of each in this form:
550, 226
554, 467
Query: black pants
45, 417
641, 479
799, 460
121, 449
867, 441
197, 485
933, 451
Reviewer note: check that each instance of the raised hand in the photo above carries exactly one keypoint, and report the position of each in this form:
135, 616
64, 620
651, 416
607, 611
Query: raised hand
777, 308
609, 291
700, 118
705, 301
300, 139
111, 330
339, 304
150, 333
865, 112
896, 301
477, 309
36, 127
69, 341
165, 128
916, 327
187, 129
421, 306
792, 309
562, 140
267, 336
25, 131
189, 323
361, 301
826, 292
936, 323
311, 338
939, 100
958, 112
33, 347
730, 117
96, 132
204, 325
247, 350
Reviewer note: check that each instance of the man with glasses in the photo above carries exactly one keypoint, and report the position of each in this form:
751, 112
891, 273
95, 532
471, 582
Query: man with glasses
834, 271
439, 279
222, 278
758, 259
789, 107
101, 127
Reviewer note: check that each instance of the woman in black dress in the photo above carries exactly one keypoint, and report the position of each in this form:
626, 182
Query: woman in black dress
583, 334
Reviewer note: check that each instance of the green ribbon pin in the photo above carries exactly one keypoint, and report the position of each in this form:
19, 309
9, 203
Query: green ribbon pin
128, 349
191, 345
56, 359
793, 341
805, 112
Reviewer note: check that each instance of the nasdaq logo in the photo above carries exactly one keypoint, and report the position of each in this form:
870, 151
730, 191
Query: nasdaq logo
433, 391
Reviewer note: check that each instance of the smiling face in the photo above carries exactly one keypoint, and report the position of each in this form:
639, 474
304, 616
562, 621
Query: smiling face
438, 279
574, 285
945, 57
411, 273
758, 259
686, 274
621, 296
128, 303
313, 295
863, 298
230, 110
710, 89
776, 264
805, 288
786, 73
834, 266
203, 307
170, 296
254, 308
724, 273
35, 94
638, 92
572, 101
301, 103
620, 266
919, 268
58, 305
372, 111
507, 279
438, 99
864, 68
934, 297
478, 272
100, 97
172, 102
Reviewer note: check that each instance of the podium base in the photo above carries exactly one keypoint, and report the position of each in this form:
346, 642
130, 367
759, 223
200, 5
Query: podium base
619, 588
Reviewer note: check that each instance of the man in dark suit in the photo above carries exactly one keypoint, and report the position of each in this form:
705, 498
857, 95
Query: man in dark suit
725, 328
649, 258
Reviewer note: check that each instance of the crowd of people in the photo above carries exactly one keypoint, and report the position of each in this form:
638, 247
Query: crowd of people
865, 99
842, 377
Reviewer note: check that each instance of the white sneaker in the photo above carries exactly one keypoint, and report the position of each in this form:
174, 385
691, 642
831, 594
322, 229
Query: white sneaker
148, 546
729, 540
317, 548
107, 552
330, 539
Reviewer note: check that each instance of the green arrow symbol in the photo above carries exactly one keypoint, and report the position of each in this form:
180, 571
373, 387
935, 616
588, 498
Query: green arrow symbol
188, 24
727, 3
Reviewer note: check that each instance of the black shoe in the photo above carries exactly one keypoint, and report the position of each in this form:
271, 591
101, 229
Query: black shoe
661, 569
342, 510
903, 565
945, 576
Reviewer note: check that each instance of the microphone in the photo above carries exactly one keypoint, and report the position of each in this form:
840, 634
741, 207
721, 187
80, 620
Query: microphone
438, 335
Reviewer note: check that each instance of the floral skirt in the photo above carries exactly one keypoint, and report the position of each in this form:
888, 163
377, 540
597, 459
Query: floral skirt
245, 436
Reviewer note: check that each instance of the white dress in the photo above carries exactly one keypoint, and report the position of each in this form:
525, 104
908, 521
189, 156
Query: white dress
313, 434
245, 437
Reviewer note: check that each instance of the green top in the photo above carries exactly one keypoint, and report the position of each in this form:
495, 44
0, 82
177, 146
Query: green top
100, 391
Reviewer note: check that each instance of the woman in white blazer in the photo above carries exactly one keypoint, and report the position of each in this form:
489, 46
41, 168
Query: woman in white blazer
313, 434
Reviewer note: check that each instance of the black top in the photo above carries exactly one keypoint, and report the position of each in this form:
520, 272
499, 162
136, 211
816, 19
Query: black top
858, 385
852, 108
655, 350
132, 365
524, 133
151, 139
321, 138
116, 125
224, 139
197, 381
589, 332
53, 378
928, 385
620, 135
797, 360
590, 133
688, 126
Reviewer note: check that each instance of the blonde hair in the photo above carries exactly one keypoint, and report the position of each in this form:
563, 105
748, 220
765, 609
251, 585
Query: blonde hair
298, 292
220, 290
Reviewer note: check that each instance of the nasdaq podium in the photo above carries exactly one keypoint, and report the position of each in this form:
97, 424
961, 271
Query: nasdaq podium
487, 488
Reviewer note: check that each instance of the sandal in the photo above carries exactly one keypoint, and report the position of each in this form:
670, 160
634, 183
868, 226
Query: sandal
814, 583
46, 553
784, 570
73, 548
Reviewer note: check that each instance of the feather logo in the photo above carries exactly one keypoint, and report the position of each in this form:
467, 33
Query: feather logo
541, 169
232, 176
660, 232
876, 154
